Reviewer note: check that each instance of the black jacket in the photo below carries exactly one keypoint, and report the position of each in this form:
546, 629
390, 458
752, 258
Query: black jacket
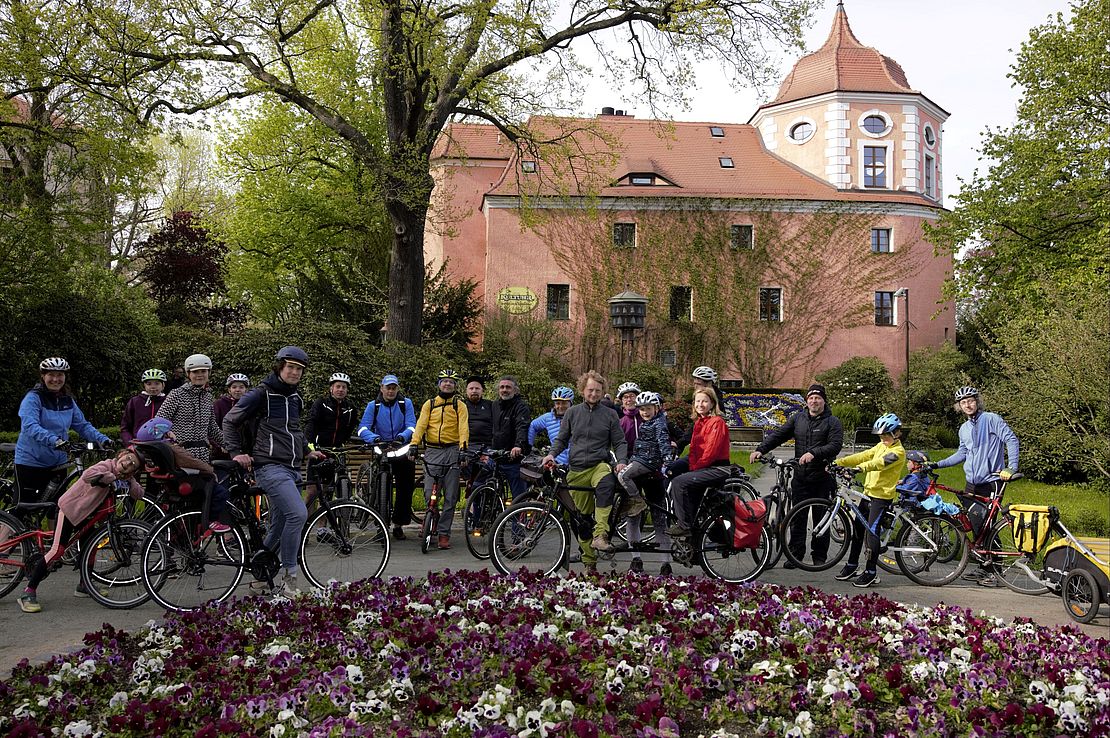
822, 436
330, 422
272, 413
480, 417
510, 423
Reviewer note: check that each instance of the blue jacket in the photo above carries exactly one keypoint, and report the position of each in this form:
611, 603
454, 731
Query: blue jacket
983, 439
653, 444
395, 421
549, 423
45, 417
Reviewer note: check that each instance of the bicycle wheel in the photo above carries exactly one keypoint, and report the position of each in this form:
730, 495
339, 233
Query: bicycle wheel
528, 536
345, 543
816, 518
1081, 594
14, 555
141, 509
719, 559
931, 550
428, 530
482, 508
1018, 570
112, 564
185, 567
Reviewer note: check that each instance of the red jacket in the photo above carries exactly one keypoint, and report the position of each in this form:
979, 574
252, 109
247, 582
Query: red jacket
709, 445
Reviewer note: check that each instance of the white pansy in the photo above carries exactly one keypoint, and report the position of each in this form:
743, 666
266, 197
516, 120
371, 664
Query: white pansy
277, 731
78, 729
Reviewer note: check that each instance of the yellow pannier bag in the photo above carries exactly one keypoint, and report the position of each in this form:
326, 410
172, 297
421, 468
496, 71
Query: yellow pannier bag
1031, 525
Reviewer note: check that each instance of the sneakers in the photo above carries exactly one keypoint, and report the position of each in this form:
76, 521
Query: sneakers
288, 587
635, 507
848, 572
788, 564
601, 543
975, 575
988, 580
591, 566
444, 542
219, 528
678, 531
80, 590
636, 565
575, 557
29, 603
866, 579
398, 533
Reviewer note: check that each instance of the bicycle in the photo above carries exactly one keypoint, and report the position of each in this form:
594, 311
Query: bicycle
108, 558
537, 534
374, 482
429, 528
779, 501
485, 502
929, 549
186, 566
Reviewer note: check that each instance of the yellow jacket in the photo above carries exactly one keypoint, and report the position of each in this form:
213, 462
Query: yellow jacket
443, 422
883, 465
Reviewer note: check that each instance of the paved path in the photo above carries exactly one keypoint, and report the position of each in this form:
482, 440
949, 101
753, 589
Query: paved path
65, 619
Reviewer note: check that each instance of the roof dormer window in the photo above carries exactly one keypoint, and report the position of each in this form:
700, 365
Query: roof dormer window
716, 132
726, 162
642, 180
528, 167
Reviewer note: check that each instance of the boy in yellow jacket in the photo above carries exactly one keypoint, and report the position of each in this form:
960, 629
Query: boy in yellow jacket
444, 427
883, 463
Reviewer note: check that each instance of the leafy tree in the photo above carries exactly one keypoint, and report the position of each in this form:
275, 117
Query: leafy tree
452, 311
182, 268
426, 64
926, 402
862, 382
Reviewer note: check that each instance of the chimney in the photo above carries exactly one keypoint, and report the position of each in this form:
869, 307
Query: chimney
607, 110
619, 112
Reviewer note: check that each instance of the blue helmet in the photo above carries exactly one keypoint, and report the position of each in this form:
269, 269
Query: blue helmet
886, 424
154, 429
917, 457
562, 393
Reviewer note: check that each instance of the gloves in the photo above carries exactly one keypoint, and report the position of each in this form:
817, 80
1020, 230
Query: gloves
106, 445
1006, 474
930, 466
60, 443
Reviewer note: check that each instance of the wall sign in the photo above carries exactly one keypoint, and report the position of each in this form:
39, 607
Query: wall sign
517, 300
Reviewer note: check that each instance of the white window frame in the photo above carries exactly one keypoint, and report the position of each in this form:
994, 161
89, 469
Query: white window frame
635, 235
929, 176
882, 114
893, 309
924, 136
528, 166
889, 164
890, 239
799, 121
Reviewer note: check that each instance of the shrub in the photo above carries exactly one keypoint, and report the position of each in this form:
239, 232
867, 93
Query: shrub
648, 377
926, 401
863, 382
850, 417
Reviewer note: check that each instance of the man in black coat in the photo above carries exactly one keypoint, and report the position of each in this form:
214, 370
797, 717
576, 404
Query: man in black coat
511, 416
818, 437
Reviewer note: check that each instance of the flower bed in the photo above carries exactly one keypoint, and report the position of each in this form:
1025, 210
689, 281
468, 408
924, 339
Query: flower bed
470, 653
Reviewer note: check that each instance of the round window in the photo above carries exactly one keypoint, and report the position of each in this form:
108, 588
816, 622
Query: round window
930, 137
875, 124
801, 131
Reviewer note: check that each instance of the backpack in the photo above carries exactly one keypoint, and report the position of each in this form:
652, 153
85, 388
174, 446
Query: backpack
1031, 525
747, 522
377, 404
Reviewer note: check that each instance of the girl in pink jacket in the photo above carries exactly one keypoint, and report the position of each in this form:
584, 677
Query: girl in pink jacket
77, 503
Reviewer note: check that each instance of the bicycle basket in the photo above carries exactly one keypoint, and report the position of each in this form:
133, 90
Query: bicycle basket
1031, 525
531, 469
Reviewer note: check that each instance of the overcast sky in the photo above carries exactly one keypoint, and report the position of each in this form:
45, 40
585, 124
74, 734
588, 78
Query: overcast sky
956, 52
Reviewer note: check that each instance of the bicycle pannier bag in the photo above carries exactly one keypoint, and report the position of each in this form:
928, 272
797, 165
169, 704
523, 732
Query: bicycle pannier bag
1031, 525
531, 469
747, 522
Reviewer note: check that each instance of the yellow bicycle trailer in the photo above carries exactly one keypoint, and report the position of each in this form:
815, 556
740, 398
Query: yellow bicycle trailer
1079, 569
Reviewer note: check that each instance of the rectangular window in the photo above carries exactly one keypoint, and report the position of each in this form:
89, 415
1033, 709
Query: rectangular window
884, 308
930, 174
624, 235
642, 179
716, 132
741, 237
668, 357
558, 302
770, 304
726, 162
528, 167
874, 166
880, 240
682, 303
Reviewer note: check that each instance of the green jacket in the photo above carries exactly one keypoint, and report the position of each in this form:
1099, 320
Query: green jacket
883, 465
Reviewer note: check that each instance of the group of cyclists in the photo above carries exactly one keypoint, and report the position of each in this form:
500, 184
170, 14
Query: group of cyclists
606, 445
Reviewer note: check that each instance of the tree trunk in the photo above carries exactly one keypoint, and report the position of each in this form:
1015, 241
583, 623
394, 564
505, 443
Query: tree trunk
406, 273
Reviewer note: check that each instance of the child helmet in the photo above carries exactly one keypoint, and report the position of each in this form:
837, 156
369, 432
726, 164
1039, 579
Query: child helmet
154, 375
648, 398
886, 424
236, 377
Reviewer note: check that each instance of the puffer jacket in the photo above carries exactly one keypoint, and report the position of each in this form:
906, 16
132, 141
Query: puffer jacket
190, 409
273, 409
45, 417
549, 423
653, 444
823, 436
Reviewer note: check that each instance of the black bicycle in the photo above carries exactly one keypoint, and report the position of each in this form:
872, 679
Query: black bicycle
487, 494
374, 481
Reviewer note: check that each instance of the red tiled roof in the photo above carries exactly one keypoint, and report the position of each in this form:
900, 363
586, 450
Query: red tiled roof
472, 141
688, 156
842, 64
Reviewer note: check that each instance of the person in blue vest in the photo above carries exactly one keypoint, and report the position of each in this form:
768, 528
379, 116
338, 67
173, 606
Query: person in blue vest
46, 415
390, 419
549, 422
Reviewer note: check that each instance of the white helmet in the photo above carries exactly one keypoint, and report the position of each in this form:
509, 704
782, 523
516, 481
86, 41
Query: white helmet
627, 387
705, 373
197, 361
54, 364
648, 398
236, 377
339, 377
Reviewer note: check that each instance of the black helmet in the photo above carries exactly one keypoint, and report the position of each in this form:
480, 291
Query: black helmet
293, 355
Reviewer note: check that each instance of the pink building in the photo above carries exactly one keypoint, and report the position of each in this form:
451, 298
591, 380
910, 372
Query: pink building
772, 249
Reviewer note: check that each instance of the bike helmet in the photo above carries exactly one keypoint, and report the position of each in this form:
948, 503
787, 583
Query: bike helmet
54, 364
562, 393
293, 355
154, 429
197, 361
965, 392
236, 377
447, 374
886, 424
704, 373
626, 388
339, 377
917, 457
648, 398
154, 375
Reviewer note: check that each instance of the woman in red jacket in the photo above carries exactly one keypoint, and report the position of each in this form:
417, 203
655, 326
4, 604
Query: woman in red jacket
709, 462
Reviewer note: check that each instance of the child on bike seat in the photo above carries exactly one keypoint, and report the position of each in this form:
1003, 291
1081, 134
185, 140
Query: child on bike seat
916, 483
651, 449
883, 464
77, 503
215, 494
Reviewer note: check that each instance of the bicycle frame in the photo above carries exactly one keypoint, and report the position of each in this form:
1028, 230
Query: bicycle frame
41, 537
